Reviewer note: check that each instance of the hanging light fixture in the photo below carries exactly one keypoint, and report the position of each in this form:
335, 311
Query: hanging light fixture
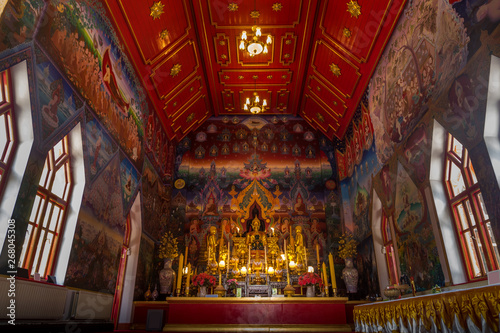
255, 45
254, 105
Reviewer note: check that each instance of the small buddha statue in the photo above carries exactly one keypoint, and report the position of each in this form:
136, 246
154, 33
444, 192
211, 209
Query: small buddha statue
300, 249
212, 244
255, 238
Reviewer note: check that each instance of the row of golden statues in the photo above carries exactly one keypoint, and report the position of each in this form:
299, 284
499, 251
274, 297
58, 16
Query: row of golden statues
256, 253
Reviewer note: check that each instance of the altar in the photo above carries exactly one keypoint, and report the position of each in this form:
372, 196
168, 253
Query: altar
230, 314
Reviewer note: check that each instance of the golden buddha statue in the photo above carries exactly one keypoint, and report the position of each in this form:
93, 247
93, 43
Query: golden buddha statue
255, 238
300, 248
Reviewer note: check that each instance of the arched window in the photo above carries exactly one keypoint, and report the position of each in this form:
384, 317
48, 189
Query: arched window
48, 214
8, 139
472, 223
390, 254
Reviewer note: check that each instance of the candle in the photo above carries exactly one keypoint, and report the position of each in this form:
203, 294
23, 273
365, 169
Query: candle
332, 271
317, 252
179, 274
249, 255
272, 231
325, 278
265, 256
188, 281
286, 262
228, 256
186, 255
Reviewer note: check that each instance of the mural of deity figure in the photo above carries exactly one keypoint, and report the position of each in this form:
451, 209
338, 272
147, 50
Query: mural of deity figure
299, 208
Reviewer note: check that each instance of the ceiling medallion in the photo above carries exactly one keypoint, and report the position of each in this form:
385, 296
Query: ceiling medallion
164, 34
175, 70
254, 14
354, 8
347, 33
232, 7
277, 6
156, 9
335, 69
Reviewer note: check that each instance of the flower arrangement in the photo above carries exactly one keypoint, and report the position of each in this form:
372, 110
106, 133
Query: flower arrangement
347, 246
168, 246
203, 280
232, 284
310, 279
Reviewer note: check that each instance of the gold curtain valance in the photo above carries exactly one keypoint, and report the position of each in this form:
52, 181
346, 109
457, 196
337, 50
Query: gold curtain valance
478, 306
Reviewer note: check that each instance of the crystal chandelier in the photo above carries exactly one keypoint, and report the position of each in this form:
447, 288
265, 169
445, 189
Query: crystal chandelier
255, 46
254, 105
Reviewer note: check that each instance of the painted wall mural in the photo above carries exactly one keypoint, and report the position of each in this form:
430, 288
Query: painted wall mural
425, 50
159, 149
417, 249
81, 41
57, 100
100, 146
269, 167
95, 256
19, 20
103, 200
156, 202
144, 278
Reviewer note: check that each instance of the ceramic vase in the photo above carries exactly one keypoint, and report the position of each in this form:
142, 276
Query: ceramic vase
203, 291
310, 292
350, 276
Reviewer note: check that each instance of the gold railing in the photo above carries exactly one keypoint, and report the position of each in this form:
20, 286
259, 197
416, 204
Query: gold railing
459, 310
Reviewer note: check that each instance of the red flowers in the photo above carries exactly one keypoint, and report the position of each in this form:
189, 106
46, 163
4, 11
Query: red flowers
203, 280
309, 279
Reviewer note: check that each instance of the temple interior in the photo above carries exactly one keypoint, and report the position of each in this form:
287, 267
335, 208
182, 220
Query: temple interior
218, 165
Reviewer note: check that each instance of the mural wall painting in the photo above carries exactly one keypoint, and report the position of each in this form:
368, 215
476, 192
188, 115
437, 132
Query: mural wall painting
417, 249
57, 100
129, 181
100, 147
144, 278
265, 167
155, 202
95, 256
102, 198
426, 48
19, 20
82, 43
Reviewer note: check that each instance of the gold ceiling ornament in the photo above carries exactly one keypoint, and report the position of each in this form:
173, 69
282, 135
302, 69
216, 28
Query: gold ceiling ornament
190, 118
226, 77
164, 34
233, 7
255, 77
176, 69
335, 69
347, 33
156, 10
269, 77
354, 8
254, 14
277, 6
320, 117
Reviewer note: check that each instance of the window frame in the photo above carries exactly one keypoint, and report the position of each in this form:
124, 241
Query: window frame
483, 250
43, 217
7, 106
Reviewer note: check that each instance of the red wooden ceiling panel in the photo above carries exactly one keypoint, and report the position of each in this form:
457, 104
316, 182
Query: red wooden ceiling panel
190, 63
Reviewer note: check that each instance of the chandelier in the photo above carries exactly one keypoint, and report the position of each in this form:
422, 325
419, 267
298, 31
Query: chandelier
254, 105
255, 46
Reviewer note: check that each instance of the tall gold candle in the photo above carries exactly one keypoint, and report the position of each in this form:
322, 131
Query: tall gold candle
186, 255
332, 271
317, 252
265, 256
325, 278
179, 274
249, 256
188, 281
286, 263
228, 256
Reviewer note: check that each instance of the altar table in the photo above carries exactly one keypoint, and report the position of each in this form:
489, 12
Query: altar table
265, 314
468, 310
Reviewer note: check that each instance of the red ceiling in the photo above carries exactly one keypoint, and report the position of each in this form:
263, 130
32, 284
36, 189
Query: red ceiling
196, 70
